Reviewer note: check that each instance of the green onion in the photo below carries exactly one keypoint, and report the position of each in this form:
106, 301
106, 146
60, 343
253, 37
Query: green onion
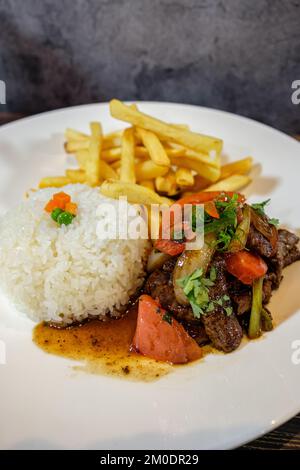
266, 320
256, 309
239, 240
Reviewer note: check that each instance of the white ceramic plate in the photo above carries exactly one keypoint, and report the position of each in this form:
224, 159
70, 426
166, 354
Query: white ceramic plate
220, 402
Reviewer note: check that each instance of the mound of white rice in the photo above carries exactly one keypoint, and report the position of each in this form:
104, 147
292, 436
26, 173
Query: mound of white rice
67, 273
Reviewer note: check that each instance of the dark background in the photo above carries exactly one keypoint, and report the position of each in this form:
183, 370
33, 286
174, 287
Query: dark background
240, 56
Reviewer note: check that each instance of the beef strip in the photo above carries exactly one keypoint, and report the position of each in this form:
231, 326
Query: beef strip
287, 250
241, 294
223, 330
287, 253
258, 243
160, 286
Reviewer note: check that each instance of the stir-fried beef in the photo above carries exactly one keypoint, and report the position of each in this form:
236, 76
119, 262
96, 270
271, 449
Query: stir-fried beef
196, 331
160, 286
287, 250
241, 294
223, 330
258, 243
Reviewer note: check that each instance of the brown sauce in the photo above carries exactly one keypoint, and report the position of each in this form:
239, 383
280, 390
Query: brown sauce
103, 347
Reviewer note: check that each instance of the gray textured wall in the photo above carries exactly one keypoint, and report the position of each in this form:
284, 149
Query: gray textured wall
240, 56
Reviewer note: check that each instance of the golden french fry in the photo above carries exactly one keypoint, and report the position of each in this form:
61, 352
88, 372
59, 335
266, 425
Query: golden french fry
148, 184
142, 152
156, 150
127, 174
192, 140
184, 177
147, 170
72, 134
135, 193
76, 176
232, 183
82, 157
167, 184
116, 165
112, 154
200, 183
93, 163
54, 181
106, 171
193, 163
238, 167
113, 139
73, 146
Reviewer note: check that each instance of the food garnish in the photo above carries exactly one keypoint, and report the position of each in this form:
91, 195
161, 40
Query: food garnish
61, 208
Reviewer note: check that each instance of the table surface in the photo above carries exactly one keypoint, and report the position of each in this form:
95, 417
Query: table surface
286, 436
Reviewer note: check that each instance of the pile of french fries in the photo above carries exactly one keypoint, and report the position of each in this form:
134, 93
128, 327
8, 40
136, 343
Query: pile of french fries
149, 162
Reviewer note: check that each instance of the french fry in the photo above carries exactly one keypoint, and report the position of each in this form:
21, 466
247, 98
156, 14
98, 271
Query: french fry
54, 182
167, 184
193, 163
127, 174
156, 150
232, 183
135, 193
76, 176
93, 163
112, 154
82, 157
239, 167
106, 171
72, 134
113, 139
197, 142
184, 177
116, 165
74, 145
200, 183
148, 170
148, 184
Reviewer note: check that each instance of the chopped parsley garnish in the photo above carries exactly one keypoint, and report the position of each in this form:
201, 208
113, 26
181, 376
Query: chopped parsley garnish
167, 317
225, 226
274, 222
259, 208
196, 288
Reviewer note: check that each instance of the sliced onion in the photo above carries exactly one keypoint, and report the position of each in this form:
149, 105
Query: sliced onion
156, 259
189, 261
242, 231
269, 231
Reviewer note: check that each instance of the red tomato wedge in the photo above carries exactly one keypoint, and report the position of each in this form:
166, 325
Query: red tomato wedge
160, 340
205, 196
210, 209
169, 247
246, 266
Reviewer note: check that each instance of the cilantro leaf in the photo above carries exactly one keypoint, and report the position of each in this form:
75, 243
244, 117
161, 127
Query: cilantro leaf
167, 317
259, 207
274, 222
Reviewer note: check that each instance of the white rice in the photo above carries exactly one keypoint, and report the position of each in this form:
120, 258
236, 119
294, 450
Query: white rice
66, 273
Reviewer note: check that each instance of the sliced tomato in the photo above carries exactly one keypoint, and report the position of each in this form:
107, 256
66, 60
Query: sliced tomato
170, 247
210, 209
246, 266
157, 338
205, 196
